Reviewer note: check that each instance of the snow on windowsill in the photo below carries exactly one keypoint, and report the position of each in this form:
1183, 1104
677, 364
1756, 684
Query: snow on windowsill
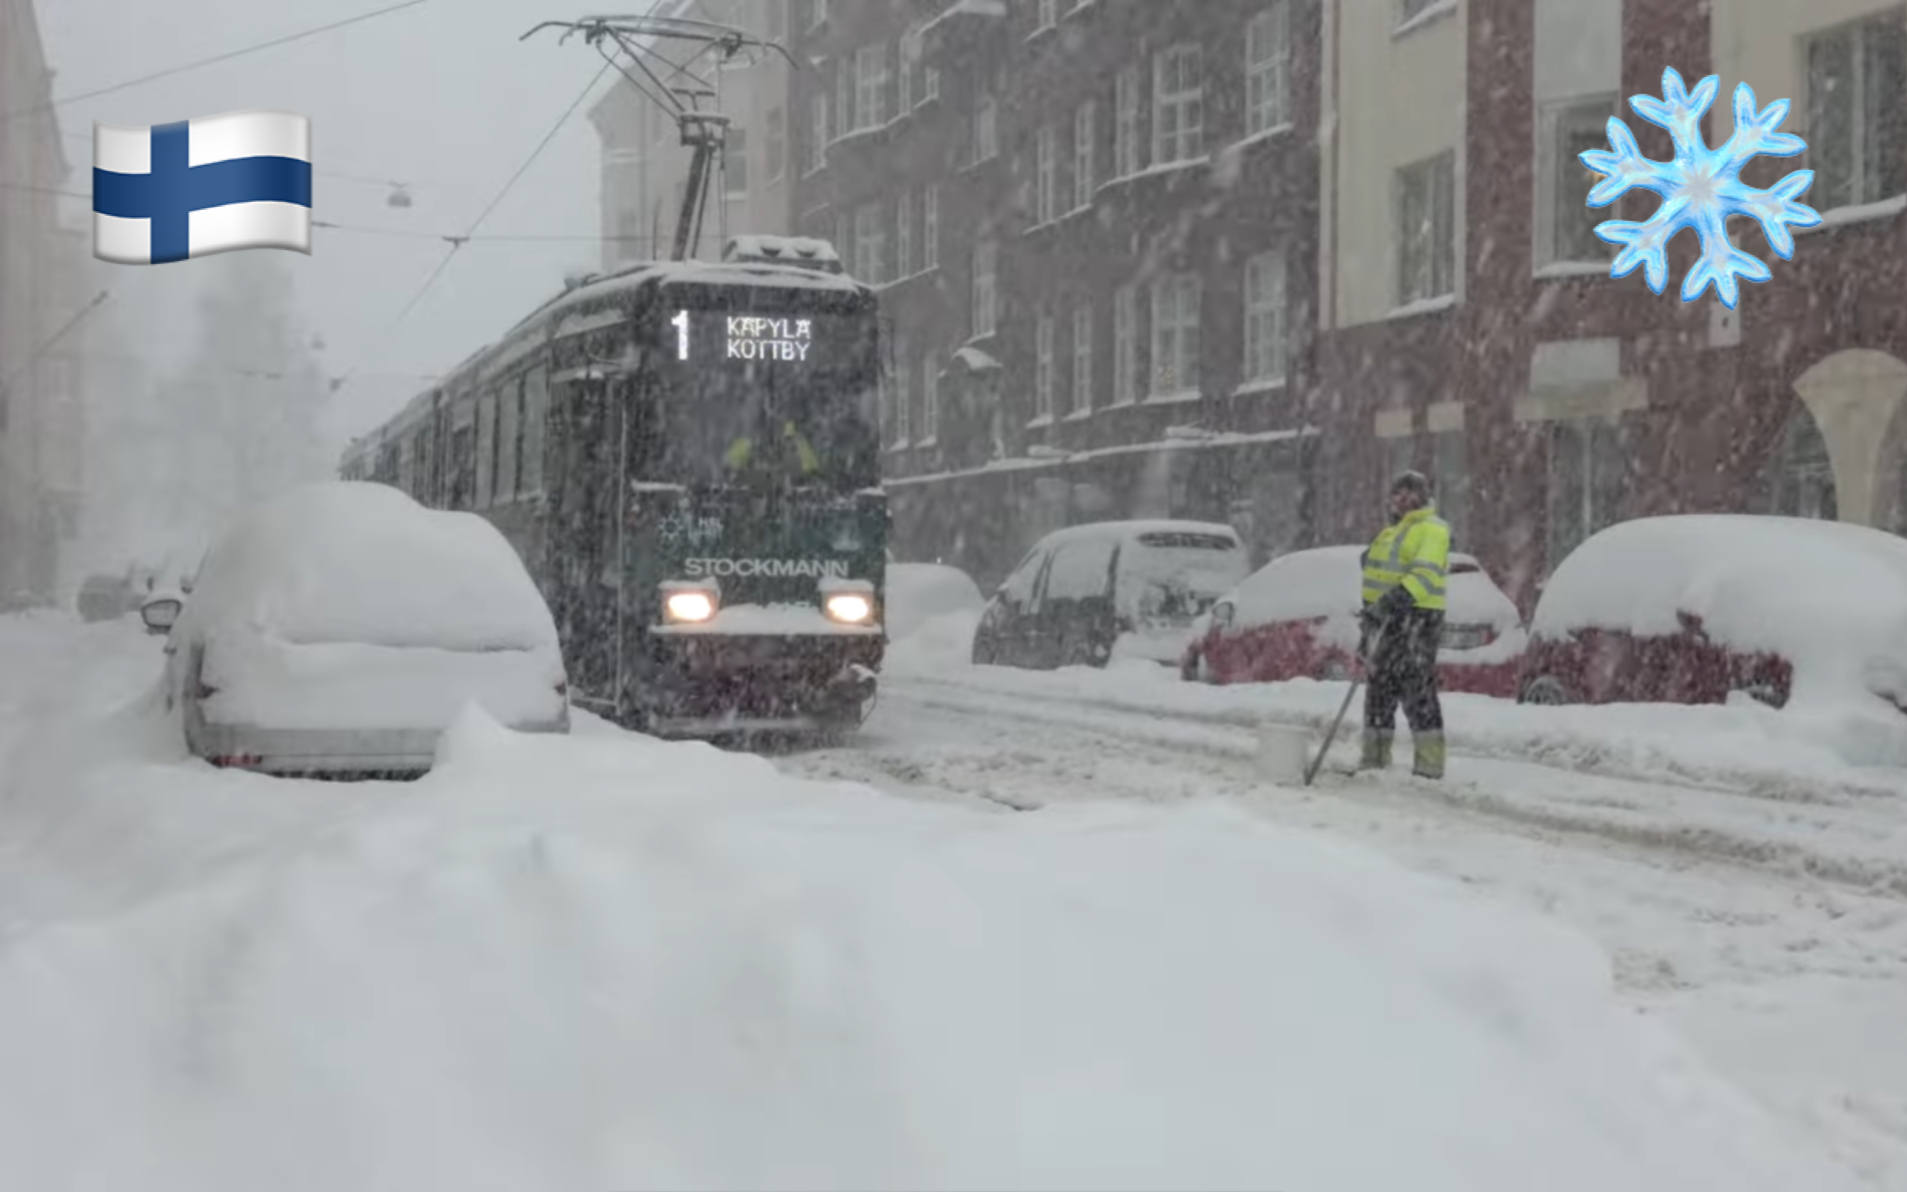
1434, 13
1560, 269
898, 445
1261, 385
1040, 423
1041, 32
1864, 212
1169, 167
1258, 138
858, 134
1423, 306
1176, 397
1085, 208
1043, 225
973, 166
1078, 416
929, 441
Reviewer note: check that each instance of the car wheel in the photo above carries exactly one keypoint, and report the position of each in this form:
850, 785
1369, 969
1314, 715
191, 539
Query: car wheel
1764, 693
984, 651
1334, 671
1544, 690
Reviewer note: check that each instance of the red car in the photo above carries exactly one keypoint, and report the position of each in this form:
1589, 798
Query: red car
1296, 617
1692, 609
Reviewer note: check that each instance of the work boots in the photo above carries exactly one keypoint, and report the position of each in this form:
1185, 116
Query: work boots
1377, 750
1427, 750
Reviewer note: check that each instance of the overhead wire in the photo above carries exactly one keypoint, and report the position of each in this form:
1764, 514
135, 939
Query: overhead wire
457, 242
227, 56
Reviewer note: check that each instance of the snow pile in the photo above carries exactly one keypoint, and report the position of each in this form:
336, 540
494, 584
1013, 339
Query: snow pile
609, 962
1830, 597
932, 611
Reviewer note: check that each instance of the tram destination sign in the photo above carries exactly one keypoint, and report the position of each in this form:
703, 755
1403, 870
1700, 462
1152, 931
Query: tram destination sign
752, 337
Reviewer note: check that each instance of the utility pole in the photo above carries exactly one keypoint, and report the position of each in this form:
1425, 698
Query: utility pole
704, 129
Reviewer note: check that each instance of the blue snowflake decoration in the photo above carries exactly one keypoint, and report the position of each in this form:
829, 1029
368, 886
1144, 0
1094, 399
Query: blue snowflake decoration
1700, 189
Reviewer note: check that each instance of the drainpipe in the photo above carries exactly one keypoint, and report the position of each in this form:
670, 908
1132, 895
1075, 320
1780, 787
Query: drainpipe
1327, 243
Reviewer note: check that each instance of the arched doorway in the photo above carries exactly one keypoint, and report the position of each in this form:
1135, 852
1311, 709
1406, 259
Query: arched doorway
1800, 474
1854, 395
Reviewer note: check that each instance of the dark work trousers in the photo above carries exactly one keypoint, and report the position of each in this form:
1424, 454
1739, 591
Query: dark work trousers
1404, 671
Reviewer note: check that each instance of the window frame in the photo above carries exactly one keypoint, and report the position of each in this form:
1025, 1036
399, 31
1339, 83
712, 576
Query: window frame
1044, 335
984, 315
1082, 373
1268, 75
1175, 339
1267, 357
1867, 132
1181, 138
1085, 152
1440, 170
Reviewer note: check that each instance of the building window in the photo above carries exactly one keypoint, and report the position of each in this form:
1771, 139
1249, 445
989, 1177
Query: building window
1046, 174
1452, 482
1125, 140
983, 261
1856, 75
1570, 130
509, 433
1085, 175
870, 68
1178, 117
817, 13
844, 238
1265, 342
1588, 463
870, 244
1399, 456
486, 447
1083, 359
844, 97
904, 236
817, 132
929, 398
1426, 228
1043, 370
1175, 335
902, 405
777, 19
1125, 345
1267, 44
930, 226
1803, 478
986, 129
735, 163
777, 143
1049, 14
904, 73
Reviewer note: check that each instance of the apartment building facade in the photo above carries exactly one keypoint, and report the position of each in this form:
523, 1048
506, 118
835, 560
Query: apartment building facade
44, 270
645, 166
1469, 324
1094, 228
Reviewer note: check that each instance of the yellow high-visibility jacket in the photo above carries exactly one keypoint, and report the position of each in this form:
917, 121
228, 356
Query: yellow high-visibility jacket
1413, 551
743, 449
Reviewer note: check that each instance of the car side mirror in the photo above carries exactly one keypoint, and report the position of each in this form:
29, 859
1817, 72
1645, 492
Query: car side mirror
1222, 613
160, 615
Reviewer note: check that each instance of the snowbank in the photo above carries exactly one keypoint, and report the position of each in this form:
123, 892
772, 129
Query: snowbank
531, 971
1830, 597
918, 593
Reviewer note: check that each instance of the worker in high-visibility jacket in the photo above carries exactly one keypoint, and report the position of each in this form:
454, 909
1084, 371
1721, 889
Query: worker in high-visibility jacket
741, 453
1405, 573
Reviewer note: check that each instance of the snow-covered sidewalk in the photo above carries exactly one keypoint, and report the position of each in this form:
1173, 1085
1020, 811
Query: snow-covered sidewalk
603, 961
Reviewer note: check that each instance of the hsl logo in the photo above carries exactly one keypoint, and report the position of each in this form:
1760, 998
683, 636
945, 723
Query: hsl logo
196, 187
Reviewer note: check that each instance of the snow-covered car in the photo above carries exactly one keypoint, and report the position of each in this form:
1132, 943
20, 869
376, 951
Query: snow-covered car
1296, 617
1086, 595
1693, 608
918, 594
340, 627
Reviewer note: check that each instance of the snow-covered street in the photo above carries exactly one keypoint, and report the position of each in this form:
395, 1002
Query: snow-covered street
598, 960
1767, 921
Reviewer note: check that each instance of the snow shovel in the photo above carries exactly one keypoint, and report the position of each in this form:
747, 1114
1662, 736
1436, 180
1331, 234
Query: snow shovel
1331, 734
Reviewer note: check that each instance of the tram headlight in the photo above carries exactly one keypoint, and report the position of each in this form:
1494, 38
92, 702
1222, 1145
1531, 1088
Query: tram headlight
689, 604
851, 607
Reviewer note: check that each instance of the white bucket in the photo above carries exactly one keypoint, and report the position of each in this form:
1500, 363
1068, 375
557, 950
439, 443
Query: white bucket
1284, 753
